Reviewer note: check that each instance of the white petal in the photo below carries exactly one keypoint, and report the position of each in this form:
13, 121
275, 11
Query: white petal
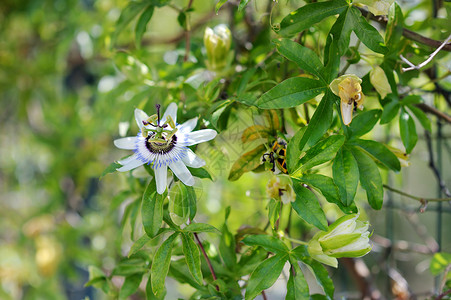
161, 177
346, 112
188, 126
182, 172
131, 165
192, 160
200, 136
140, 116
127, 159
127, 143
170, 111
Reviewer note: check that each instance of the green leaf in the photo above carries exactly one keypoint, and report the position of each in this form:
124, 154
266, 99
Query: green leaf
322, 152
142, 24
370, 178
341, 31
227, 244
307, 206
379, 152
149, 293
407, 130
242, 5
192, 256
219, 4
180, 272
199, 172
273, 211
293, 151
322, 277
394, 29
200, 227
265, 275
411, 99
367, 33
97, 279
128, 14
320, 272
297, 287
440, 261
111, 169
421, 116
364, 122
179, 204
160, 265
130, 285
255, 132
308, 15
139, 244
268, 242
346, 175
390, 111
247, 162
291, 92
130, 266
320, 122
305, 58
329, 190
152, 210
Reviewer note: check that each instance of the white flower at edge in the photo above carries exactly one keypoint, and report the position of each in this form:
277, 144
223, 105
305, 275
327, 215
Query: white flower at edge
174, 153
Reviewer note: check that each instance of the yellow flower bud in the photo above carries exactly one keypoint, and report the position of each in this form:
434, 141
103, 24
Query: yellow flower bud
217, 42
380, 82
348, 88
376, 7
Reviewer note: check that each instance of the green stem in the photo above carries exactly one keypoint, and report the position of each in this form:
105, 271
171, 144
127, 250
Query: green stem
420, 199
295, 241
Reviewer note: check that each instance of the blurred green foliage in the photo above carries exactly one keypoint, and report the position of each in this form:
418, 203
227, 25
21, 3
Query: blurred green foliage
71, 74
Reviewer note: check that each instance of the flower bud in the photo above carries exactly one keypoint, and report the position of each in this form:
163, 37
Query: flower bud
346, 237
380, 82
217, 42
376, 7
348, 88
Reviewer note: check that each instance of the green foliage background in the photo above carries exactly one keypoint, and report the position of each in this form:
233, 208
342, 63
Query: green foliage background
71, 71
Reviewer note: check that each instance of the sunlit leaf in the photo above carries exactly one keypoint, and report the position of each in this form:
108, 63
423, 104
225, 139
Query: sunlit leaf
247, 162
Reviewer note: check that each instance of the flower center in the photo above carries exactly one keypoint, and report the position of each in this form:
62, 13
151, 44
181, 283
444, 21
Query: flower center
160, 147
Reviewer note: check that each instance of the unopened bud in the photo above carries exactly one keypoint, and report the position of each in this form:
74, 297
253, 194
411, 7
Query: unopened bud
217, 42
